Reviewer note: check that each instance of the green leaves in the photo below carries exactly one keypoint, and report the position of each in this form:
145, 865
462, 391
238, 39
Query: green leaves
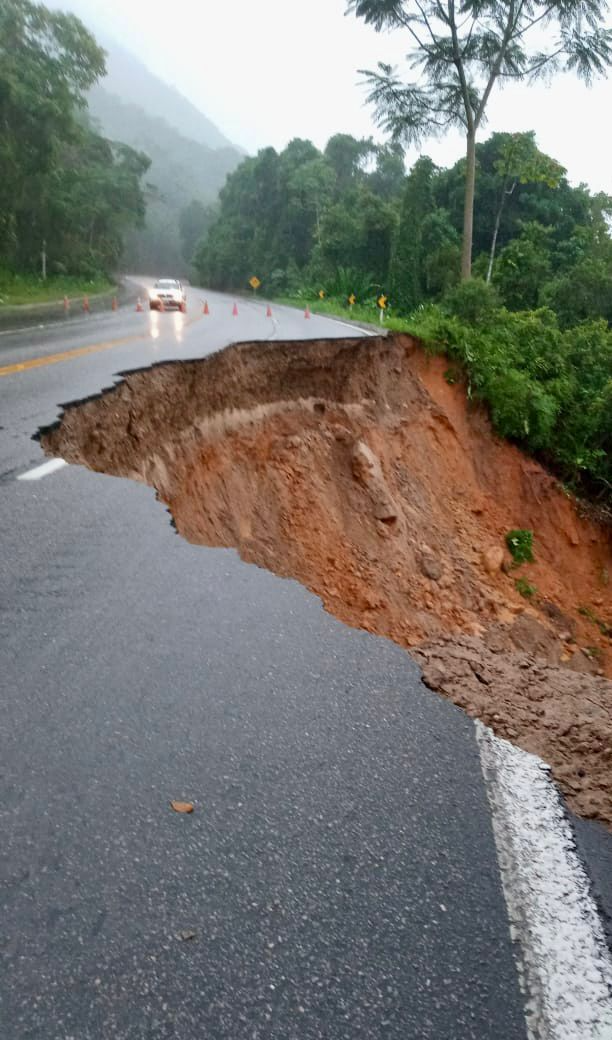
379, 13
60, 180
461, 51
549, 390
520, 545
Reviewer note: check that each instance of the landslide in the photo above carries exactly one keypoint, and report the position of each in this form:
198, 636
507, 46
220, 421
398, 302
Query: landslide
354, 467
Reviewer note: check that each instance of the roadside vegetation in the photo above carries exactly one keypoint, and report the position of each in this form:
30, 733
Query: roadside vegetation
547, 388
21, 289
528, 332
498, 261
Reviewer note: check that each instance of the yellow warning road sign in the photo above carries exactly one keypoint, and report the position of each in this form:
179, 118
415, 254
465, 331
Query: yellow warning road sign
254, 282
382, 302
352, 298
321, 294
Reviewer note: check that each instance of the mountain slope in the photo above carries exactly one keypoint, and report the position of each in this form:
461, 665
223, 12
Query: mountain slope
181, 170
190, 157
132, 81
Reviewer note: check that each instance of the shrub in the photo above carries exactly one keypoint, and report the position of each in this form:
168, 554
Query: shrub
473, 301
520, 545
525, 588
346, 281
548, 389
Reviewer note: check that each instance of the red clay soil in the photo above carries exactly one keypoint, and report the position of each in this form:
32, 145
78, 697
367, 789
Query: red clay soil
352, 466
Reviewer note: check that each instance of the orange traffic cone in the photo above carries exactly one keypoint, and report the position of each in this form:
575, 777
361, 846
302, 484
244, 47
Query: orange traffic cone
307, 312
86, 304
205, 309
66, 305
269, 311
139, 306
114, 303
235, 310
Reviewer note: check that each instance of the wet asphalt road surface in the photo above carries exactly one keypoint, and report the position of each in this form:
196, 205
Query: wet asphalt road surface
338, 877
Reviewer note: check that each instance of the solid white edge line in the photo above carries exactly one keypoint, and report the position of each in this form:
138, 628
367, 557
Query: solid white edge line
25, 328
42, 471
564, 965
337, 321
345, 325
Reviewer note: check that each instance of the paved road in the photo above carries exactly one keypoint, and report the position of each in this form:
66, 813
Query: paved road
338, 878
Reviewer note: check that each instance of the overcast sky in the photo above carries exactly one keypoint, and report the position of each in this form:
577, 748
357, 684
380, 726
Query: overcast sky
268, 70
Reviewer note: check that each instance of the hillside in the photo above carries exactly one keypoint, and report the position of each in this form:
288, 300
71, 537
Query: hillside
190, 156
129, 79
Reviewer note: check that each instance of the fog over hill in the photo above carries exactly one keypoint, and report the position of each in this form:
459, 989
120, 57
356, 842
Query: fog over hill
132, 81
190, 156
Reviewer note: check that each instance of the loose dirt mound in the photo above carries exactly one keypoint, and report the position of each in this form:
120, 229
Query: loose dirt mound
354, 467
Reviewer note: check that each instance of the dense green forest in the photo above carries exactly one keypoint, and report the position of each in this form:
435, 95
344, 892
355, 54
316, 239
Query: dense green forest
64, 188
296, 218
535, 343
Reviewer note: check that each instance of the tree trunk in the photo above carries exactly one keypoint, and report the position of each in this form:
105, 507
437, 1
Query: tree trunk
504, 196
468, 208
494, 242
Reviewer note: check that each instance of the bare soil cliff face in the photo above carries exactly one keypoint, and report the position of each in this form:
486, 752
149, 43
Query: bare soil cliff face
352, 466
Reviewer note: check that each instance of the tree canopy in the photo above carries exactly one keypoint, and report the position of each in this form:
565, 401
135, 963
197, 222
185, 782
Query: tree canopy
61, 182
349, 221
462, 50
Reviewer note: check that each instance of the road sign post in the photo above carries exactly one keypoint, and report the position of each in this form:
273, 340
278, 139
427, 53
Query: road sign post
351, 302
382, 303
254, 283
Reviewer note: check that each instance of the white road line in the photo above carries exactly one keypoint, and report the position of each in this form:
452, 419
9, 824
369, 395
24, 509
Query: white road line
355, 328
26, 328
564, 964
42, 471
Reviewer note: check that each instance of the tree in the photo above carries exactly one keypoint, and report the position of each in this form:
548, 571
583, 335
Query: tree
408, 274
308, 186
520, 162
47, 61
194, 221
388, 178
524, 266
462, 50
346, 155
441, 253
585, 291
83, 209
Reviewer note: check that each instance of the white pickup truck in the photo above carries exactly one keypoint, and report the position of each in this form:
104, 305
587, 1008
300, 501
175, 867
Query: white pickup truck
166, 293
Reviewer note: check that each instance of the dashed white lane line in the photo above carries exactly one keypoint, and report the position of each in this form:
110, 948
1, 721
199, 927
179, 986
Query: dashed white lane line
42, 471
563, 960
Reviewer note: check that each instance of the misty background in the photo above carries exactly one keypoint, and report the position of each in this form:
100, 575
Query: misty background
197, 86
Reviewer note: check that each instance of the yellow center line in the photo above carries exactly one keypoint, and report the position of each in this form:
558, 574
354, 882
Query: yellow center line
68, 355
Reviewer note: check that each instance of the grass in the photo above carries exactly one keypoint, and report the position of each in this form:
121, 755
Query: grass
525, 588
520, 545
367, 313
604, 628
17, 289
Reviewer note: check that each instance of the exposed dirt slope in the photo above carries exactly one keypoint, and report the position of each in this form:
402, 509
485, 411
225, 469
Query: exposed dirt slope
354, 467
